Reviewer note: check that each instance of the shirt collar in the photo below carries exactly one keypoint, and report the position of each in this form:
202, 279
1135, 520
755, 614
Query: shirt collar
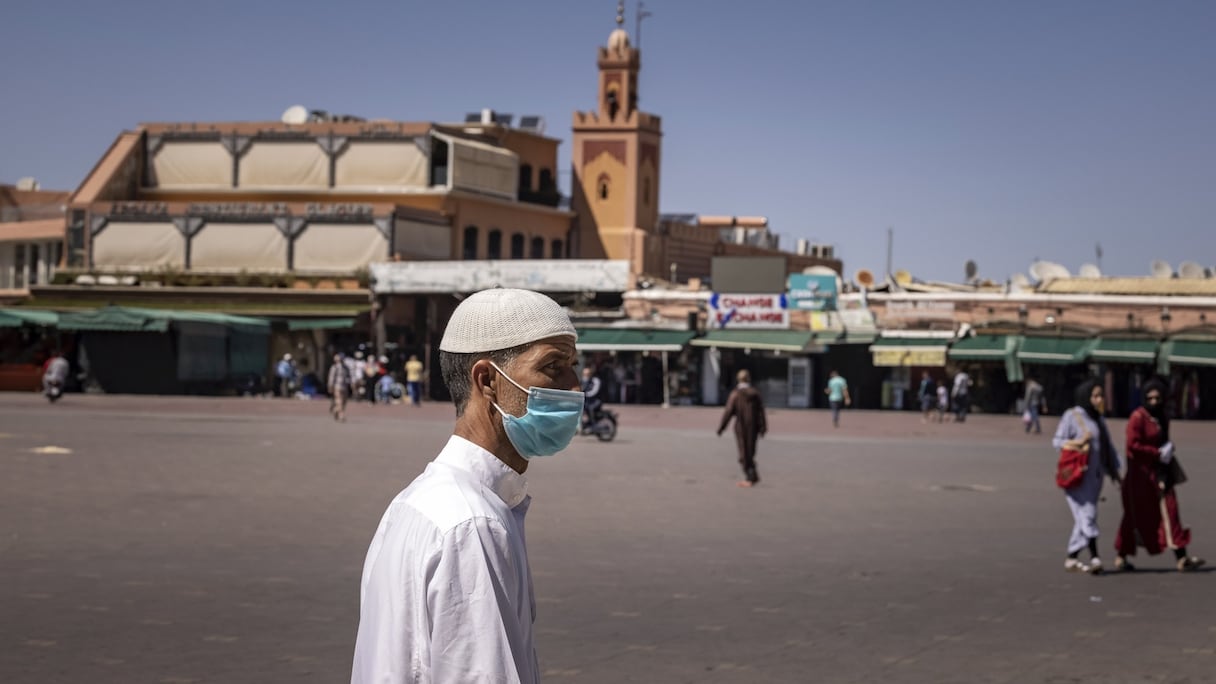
486, 468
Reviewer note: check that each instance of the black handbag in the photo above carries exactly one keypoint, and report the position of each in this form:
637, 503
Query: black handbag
1171, 474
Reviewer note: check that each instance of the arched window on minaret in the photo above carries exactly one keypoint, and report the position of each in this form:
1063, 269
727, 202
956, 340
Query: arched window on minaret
602, 186
614, 104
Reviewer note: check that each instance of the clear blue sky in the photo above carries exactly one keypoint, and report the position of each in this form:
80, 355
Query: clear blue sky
996, 131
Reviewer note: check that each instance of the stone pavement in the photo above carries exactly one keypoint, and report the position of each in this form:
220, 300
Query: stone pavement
166, 539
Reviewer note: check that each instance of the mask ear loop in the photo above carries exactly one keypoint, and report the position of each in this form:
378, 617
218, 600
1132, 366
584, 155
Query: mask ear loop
508, 377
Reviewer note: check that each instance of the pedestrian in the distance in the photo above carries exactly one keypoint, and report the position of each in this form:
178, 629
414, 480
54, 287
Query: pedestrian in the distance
446, 594
1032, 405
285, 375
1083, 428
746, 407
1150, 501
961, 395
838, 395
943, 402
413, 379
928, 396
339, 388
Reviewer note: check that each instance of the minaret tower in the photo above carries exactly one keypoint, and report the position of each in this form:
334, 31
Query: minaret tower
616, 159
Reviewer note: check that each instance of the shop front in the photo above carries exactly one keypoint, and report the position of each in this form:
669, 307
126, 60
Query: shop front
1189, 361
905, 355
1058, 363
642, 366
992, 362
1127, 361
780, 363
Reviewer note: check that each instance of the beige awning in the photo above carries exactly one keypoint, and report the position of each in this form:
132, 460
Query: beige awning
26, 231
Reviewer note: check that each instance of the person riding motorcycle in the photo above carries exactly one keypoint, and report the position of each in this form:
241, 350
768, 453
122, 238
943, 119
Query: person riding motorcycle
591, 398
55, 376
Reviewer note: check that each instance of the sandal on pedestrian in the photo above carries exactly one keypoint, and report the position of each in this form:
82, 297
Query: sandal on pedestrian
1094, 567
1073, 565
1123, 565
1189, 563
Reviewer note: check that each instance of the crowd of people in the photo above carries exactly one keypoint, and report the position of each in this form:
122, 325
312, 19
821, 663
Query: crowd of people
355, 377
941, 404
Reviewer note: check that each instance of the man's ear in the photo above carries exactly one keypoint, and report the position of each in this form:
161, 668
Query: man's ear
485, 380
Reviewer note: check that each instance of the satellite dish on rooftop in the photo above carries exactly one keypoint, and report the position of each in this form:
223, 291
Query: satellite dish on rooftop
1161, 269
1089, 271
864, 278
1042, 271
903, 278
970, 269
295, 114
818, 270
1019, 282
1190, 269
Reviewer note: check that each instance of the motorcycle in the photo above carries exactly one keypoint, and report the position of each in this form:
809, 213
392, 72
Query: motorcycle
53, 390
602, 425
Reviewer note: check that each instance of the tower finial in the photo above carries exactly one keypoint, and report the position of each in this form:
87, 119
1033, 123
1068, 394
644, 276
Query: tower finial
620, 13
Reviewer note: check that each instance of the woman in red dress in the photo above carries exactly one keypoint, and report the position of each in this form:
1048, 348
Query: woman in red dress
1150, 503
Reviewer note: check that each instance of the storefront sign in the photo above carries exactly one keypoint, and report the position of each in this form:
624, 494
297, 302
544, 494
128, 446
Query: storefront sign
156, 210
549, 275
813, 292
347, 211
896, 358
735, 311
921, 310
237, 210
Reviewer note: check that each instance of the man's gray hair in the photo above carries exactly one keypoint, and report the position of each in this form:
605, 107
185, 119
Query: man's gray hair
457, 369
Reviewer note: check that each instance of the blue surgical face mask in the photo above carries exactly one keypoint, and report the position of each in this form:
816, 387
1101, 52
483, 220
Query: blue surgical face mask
551, 421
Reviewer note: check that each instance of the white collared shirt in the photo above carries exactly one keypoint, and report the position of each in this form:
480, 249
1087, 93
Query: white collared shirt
447, 592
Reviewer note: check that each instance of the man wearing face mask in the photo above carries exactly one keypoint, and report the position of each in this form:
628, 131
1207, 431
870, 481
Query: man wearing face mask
446, 594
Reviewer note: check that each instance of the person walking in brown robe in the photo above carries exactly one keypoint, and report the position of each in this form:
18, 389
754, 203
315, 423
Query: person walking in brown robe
746, 407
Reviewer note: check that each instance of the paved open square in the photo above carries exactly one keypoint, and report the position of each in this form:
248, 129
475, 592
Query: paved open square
186, 540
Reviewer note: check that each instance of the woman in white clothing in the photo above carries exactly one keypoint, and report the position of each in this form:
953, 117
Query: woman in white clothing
1083, 428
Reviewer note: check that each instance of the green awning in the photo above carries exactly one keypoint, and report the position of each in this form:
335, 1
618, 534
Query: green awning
632, 339
1060, 351
1192, 352
113, 319
995, 348
862, 336
321, 324
1124, 350
984, 348
133, 319
16, 317
772, 340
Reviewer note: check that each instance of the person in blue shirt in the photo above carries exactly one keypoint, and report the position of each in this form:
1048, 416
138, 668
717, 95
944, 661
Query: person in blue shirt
838, 395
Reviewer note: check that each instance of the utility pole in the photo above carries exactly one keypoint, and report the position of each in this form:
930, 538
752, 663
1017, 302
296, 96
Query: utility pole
890, 245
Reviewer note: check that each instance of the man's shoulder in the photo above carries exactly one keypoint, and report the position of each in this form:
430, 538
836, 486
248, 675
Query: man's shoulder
448, 497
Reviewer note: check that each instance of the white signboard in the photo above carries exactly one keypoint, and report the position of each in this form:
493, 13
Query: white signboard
733, 311
926, 309
544, 275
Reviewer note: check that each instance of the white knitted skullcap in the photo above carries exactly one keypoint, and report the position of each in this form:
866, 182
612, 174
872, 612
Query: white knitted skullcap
502, 318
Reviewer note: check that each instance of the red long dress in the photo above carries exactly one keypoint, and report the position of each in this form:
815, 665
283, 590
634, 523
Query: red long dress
1150, 517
